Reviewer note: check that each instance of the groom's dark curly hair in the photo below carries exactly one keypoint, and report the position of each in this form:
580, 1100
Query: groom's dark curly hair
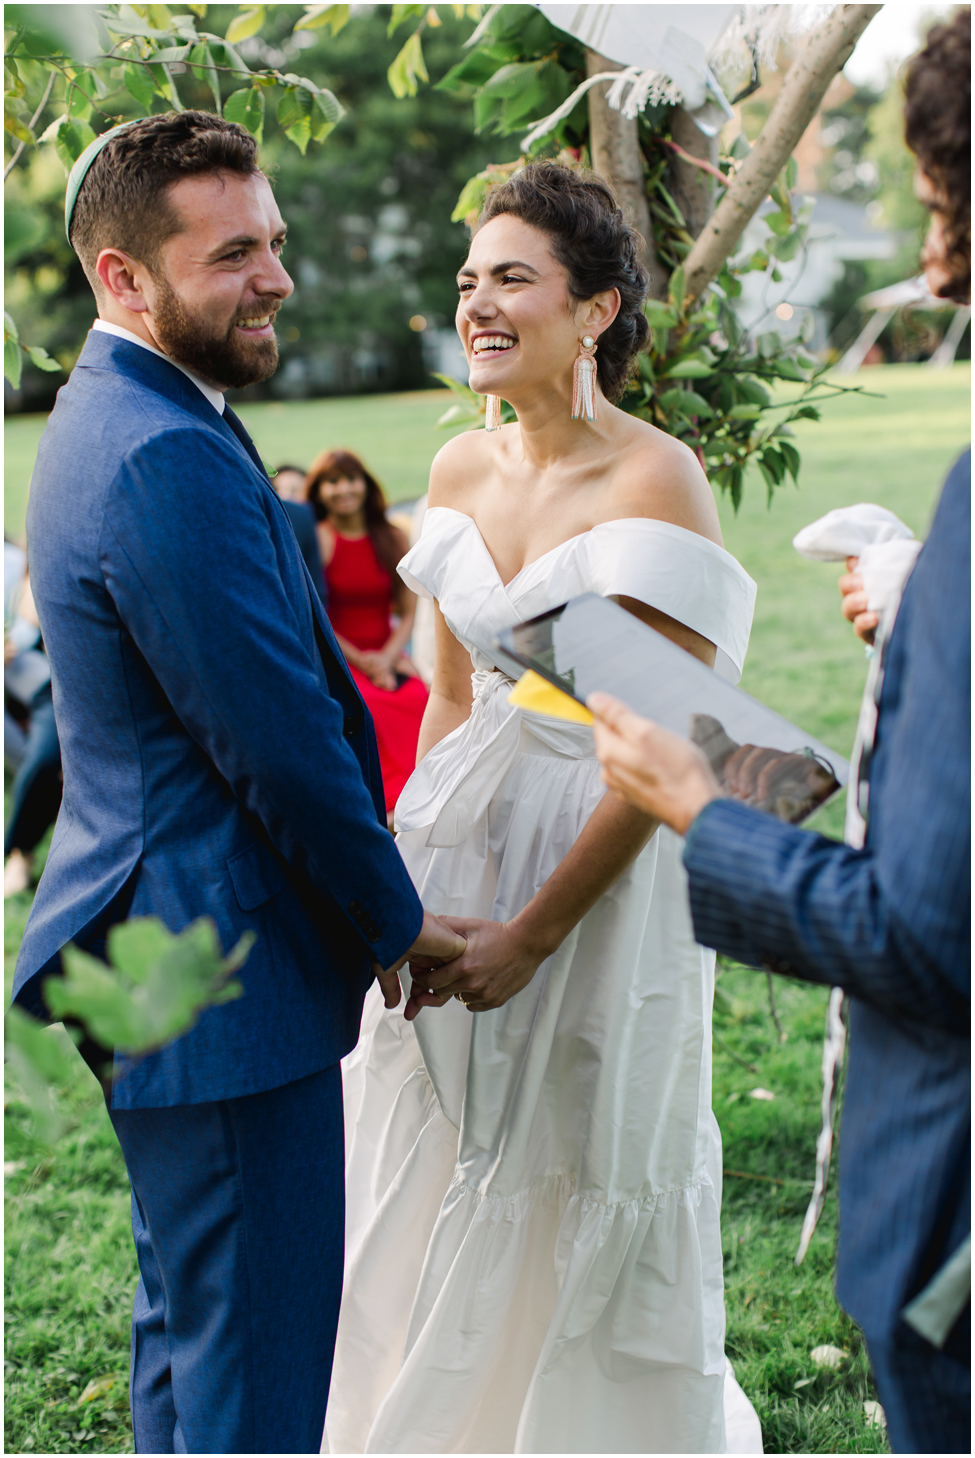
595, 245
124, 203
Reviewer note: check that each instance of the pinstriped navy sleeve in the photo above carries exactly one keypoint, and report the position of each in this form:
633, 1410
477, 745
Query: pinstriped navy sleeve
891, 923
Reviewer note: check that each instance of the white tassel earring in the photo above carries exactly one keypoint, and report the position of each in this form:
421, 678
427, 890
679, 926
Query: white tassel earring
492, 412
584, 382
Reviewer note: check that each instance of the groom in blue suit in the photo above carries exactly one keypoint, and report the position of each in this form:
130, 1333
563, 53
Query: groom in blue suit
218, 761
887, 918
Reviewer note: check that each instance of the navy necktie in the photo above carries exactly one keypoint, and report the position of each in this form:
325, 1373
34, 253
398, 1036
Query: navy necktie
237, 427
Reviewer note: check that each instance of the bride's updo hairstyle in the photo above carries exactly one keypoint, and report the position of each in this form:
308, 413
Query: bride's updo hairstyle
594, 244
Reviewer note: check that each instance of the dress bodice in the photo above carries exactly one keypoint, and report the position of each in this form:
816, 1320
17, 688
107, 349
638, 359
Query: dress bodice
665, 566
359, 593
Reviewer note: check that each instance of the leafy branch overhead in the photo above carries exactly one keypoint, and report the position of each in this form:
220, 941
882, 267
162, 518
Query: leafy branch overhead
95, 66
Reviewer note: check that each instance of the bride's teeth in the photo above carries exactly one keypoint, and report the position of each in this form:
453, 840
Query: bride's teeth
496, 341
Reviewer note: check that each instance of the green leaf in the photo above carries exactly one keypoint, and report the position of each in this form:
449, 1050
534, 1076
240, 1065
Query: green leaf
402, 13
791, 173
138, 81
755, 393
787, 369
42, 359
200, 60
677, 288
12, 362
79, 106
408, 69
294, 116
36, 1059
71, 140
791, 457
318, 16
785, 248
511, 80
154, 989
685, 402
246, 108
9, 328
246, 24
472, 197
169, 54
779, 222
659, 316
744, 412
689, 369
13, 124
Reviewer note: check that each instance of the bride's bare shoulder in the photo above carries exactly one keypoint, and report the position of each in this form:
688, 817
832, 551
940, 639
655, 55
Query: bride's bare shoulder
459, 468
661, 477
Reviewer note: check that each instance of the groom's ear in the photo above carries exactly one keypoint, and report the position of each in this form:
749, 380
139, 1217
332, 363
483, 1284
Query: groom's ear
124, 280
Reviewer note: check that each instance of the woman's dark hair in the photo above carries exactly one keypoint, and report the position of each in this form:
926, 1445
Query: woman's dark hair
389, 541
595, 245
938, 130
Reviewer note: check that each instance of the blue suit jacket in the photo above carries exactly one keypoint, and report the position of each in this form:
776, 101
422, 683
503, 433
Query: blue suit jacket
891, 925
218, 760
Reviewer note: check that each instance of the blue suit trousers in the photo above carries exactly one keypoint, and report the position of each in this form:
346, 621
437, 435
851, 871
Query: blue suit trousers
238, 1212
925, 1392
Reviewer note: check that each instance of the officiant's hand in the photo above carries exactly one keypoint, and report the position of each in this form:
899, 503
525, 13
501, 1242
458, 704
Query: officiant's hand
437, 944
855, 602
651, 767
497, 962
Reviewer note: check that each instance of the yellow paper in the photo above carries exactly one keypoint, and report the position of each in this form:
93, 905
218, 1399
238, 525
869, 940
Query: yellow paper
536, 694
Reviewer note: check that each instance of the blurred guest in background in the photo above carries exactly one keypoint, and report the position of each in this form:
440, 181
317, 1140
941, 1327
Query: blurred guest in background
361, 550
36, 794
289, 483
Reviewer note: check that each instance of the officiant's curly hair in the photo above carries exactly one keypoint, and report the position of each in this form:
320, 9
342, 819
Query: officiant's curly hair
595, 245
938, 130
123, 201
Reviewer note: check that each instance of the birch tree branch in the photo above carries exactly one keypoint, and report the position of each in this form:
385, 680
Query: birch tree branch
824, 53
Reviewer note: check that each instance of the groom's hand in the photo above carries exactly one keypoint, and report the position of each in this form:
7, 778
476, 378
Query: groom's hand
436, 944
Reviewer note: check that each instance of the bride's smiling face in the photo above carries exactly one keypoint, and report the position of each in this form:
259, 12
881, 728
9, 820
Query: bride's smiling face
519, 324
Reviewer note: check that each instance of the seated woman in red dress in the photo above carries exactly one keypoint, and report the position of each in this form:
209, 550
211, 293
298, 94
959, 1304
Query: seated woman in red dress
360, 550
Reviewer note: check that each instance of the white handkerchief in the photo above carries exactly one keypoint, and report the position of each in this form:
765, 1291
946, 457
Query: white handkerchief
884, 570
887, 549
847, 531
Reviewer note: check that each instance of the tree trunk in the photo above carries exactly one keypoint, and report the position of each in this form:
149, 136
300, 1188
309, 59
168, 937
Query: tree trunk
824, 52
693, 189
616, 156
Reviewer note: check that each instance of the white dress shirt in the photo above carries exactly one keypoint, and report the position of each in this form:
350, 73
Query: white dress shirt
214, 396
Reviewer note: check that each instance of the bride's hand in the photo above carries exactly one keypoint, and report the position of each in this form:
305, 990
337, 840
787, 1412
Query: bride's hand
497, 963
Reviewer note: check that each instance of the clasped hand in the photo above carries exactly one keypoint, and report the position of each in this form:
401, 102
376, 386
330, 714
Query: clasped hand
497, 962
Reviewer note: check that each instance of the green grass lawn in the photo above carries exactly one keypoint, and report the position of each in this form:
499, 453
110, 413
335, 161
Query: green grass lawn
70, 1266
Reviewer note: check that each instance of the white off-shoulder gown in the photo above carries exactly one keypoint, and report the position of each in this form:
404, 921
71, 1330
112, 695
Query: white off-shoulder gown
534, 1252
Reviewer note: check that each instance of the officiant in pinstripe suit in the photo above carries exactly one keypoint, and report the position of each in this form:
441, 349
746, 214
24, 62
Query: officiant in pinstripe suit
885, 917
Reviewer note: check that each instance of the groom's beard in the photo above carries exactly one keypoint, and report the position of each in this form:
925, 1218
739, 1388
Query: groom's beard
228, 360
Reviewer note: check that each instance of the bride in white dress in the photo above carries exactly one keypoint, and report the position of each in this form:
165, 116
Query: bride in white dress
534, 1172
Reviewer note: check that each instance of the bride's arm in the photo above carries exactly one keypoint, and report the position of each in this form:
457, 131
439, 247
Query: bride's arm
449, 704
